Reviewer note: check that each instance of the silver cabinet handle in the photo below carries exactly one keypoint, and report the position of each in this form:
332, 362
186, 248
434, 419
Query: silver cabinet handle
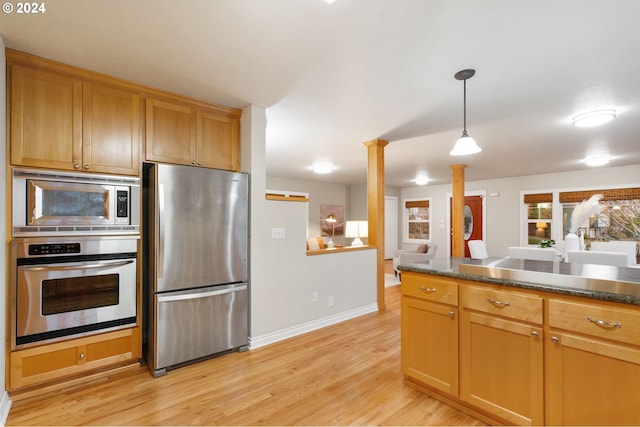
604, 323
555, 339
452, 313
498, 303
534, 334
430, 290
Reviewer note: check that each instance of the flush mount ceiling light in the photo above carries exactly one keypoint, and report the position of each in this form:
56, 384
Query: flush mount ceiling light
597, 160
322, 168
594, 118
422, 180
465, 145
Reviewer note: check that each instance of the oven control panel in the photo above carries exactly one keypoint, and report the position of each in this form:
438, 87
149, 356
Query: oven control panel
54, 248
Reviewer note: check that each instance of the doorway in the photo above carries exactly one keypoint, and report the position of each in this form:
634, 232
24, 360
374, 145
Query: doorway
473, 221
390, 226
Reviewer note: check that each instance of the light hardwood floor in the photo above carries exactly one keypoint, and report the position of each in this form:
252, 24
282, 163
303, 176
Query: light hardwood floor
345, 374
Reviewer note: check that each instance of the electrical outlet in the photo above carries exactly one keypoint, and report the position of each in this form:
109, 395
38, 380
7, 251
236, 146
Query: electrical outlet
330, 302
314, 296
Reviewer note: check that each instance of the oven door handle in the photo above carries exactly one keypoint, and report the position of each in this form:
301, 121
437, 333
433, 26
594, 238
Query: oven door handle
79, 266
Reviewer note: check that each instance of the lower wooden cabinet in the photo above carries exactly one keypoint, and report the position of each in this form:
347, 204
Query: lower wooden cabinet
502, 354
593, 364
430, 343
64, 359
591, 382
521, 357
430, 331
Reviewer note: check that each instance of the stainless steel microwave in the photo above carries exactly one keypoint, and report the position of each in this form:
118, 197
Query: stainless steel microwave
51, 203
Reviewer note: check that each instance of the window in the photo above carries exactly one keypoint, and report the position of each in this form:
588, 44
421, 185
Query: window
417, 221
539, 217
619, 220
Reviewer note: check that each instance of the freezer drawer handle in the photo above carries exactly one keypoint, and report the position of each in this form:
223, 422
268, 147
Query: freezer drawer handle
168, 298
79, 266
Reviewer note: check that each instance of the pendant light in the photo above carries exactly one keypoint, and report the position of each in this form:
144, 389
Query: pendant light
465, 145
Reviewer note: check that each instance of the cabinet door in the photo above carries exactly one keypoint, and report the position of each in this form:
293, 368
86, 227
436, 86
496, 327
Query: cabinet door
59, 360
171, 133
111, 130
218, 139
501, 367
46, 119
591, 382
430, 344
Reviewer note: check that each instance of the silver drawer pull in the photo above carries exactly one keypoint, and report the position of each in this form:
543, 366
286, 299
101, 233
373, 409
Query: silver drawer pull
452, 313
498, 303
534, 334
604, 323
423, 289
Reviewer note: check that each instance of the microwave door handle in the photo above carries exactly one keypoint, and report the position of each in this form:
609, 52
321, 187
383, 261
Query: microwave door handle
79, 266
160, 229
198, 295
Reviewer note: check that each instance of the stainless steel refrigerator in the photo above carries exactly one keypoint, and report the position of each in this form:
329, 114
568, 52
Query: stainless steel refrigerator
195, 264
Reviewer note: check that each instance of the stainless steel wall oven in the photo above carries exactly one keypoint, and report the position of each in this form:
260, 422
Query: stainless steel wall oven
64, 287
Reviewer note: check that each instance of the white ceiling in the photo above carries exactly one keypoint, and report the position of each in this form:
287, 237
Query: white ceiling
334, 76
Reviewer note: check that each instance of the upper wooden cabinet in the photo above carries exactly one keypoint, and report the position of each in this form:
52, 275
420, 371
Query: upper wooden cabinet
64, 117
111, 128
181, 133
59, 121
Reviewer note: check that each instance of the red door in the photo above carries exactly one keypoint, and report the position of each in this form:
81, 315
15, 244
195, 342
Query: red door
472, 221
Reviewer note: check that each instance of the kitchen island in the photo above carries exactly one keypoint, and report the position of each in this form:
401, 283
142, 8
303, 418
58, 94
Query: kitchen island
524, 342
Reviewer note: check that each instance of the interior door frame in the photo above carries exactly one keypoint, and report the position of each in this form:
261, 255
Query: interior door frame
449, 196
390, 226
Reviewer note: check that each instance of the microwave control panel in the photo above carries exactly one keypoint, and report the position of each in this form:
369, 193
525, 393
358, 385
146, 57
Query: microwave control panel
122, 205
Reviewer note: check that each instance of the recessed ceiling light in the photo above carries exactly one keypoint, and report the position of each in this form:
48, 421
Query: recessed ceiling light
597, 160
323, 168
594, 118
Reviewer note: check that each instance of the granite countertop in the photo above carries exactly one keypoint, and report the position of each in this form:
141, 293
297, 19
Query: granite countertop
603, 282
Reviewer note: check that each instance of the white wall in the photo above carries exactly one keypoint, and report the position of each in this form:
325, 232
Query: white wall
5, 403
283, 278
503, 218
320, 193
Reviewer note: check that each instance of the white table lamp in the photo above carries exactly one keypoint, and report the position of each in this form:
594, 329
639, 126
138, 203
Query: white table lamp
356, 230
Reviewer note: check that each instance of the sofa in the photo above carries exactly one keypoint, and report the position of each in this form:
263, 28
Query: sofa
424, 252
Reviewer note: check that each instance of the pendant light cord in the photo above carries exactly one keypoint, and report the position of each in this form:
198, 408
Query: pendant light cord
464, 113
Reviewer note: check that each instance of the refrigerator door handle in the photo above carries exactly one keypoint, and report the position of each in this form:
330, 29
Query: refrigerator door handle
197, 295
161, 229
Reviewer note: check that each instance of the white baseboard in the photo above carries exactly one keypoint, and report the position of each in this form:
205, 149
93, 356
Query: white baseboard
270, 338
5, 405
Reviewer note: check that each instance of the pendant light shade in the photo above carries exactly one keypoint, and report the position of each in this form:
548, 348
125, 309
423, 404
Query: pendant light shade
465, 145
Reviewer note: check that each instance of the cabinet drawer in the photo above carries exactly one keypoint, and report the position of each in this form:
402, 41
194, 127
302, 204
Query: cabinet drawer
430, 288
511, 304
599, 320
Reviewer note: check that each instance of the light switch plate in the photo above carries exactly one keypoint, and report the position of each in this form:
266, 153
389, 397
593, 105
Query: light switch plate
277, 233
